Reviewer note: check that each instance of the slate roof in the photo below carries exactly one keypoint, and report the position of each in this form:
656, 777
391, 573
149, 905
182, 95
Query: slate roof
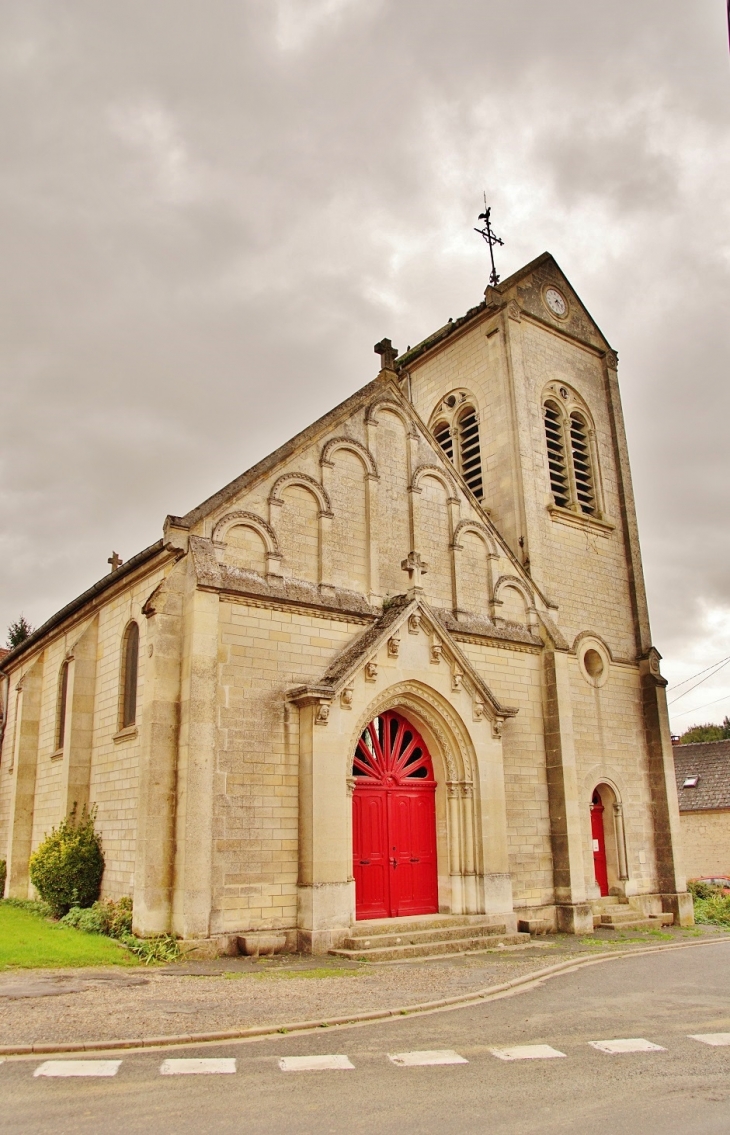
710, 761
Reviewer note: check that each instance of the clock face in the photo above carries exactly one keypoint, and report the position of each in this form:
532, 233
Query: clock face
556, 302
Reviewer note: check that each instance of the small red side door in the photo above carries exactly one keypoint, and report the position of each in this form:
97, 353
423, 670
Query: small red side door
599, 844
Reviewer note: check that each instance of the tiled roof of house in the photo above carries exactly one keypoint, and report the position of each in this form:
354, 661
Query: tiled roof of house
709, 761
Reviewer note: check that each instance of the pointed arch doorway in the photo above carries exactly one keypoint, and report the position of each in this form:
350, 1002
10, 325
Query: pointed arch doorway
393, 821
600, 865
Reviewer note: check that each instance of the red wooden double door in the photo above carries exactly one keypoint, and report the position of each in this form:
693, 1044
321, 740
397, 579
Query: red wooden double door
394, 822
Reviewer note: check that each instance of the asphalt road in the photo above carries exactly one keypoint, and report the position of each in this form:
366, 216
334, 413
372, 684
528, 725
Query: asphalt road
662, 998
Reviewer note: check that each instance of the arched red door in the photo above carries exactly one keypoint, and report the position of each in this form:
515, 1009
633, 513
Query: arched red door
599, 843
393, 821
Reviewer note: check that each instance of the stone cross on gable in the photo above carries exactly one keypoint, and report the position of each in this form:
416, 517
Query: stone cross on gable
115, 560
388, 354
416, 567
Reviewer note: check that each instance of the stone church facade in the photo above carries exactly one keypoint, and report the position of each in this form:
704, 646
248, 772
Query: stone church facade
401, 667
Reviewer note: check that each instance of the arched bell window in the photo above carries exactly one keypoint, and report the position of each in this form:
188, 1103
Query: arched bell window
570, 453
455, 425
130, 663
62, 705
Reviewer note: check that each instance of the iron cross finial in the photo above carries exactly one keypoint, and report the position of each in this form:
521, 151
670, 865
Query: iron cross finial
490, 238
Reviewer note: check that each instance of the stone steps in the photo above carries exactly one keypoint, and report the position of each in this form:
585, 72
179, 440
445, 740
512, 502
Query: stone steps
621, 916
432, 949
426, 936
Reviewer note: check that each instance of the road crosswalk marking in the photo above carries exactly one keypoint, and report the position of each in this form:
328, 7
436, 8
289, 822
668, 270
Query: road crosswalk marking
321, 1063
715, 1039
628, 1044
78, 1068
315, 1063
198, 1067
527, 1052
419, 1059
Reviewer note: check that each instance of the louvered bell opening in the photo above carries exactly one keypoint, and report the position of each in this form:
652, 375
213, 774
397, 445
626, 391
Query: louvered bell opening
471, 458
443, 436
582, 467
556, 456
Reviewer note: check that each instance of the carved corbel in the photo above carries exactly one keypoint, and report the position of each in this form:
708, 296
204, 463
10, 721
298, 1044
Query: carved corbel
414, 623
346, 697
322, 715
457, 679
393, 646
478, 709
437, 650
371, 671
497, 727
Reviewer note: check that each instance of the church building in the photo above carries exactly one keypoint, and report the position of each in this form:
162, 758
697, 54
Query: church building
397, 678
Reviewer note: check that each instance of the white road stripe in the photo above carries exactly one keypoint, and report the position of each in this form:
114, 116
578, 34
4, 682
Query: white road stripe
314, 1063
78, 1068
198, 1066
527, 1052
715, 1039
416, 1059
630, 1044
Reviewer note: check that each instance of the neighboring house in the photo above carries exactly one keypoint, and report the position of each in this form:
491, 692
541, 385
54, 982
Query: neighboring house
703, 790
401, 666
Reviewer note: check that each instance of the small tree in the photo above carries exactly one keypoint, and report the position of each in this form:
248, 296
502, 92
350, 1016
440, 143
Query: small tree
706, 732
66, 869
18, 632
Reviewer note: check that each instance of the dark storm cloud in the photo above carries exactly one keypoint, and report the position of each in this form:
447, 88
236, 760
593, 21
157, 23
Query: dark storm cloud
211, 211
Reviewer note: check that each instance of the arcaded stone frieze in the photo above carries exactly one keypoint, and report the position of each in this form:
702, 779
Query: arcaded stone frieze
223, 577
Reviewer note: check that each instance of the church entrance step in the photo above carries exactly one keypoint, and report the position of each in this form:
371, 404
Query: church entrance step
634, 921
410, 937
432, 949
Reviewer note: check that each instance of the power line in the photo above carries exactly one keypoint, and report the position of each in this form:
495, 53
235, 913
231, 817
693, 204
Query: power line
706, 679
699, 707
712, 667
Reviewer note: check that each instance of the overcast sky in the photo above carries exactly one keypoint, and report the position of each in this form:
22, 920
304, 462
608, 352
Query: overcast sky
210, 211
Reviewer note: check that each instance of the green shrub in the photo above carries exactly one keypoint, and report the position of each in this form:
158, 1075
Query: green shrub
3, 876
105, 917
42, 909
66, 869
115, 920
699, 889
162, 949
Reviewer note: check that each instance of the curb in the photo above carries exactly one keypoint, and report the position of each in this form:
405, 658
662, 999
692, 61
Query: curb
492, 991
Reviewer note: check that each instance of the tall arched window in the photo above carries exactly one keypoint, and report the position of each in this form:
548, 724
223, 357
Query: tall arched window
556, 454
130, 655
61, 705
582, 465
456, 429
569, 451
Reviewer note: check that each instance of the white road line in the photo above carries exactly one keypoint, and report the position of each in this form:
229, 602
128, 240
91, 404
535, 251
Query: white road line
527, 1052
314, 1063
631, 1044
416, 1059
715, 1039
78, 1068
198, 1066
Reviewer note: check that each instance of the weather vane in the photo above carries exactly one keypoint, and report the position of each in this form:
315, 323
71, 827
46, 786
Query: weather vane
491, 238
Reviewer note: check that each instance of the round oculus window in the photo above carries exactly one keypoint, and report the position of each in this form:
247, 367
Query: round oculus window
556, 302
594, 664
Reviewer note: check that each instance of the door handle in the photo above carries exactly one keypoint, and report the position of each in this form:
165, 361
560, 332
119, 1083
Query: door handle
415, 860
394, 863
364, 862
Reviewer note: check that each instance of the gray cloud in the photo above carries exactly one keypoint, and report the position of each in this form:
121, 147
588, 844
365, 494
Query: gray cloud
209, 213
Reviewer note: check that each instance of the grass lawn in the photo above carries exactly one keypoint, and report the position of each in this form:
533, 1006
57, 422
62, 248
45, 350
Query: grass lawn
27, 941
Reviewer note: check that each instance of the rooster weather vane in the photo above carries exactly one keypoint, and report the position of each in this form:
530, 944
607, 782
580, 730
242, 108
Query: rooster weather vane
491, 239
